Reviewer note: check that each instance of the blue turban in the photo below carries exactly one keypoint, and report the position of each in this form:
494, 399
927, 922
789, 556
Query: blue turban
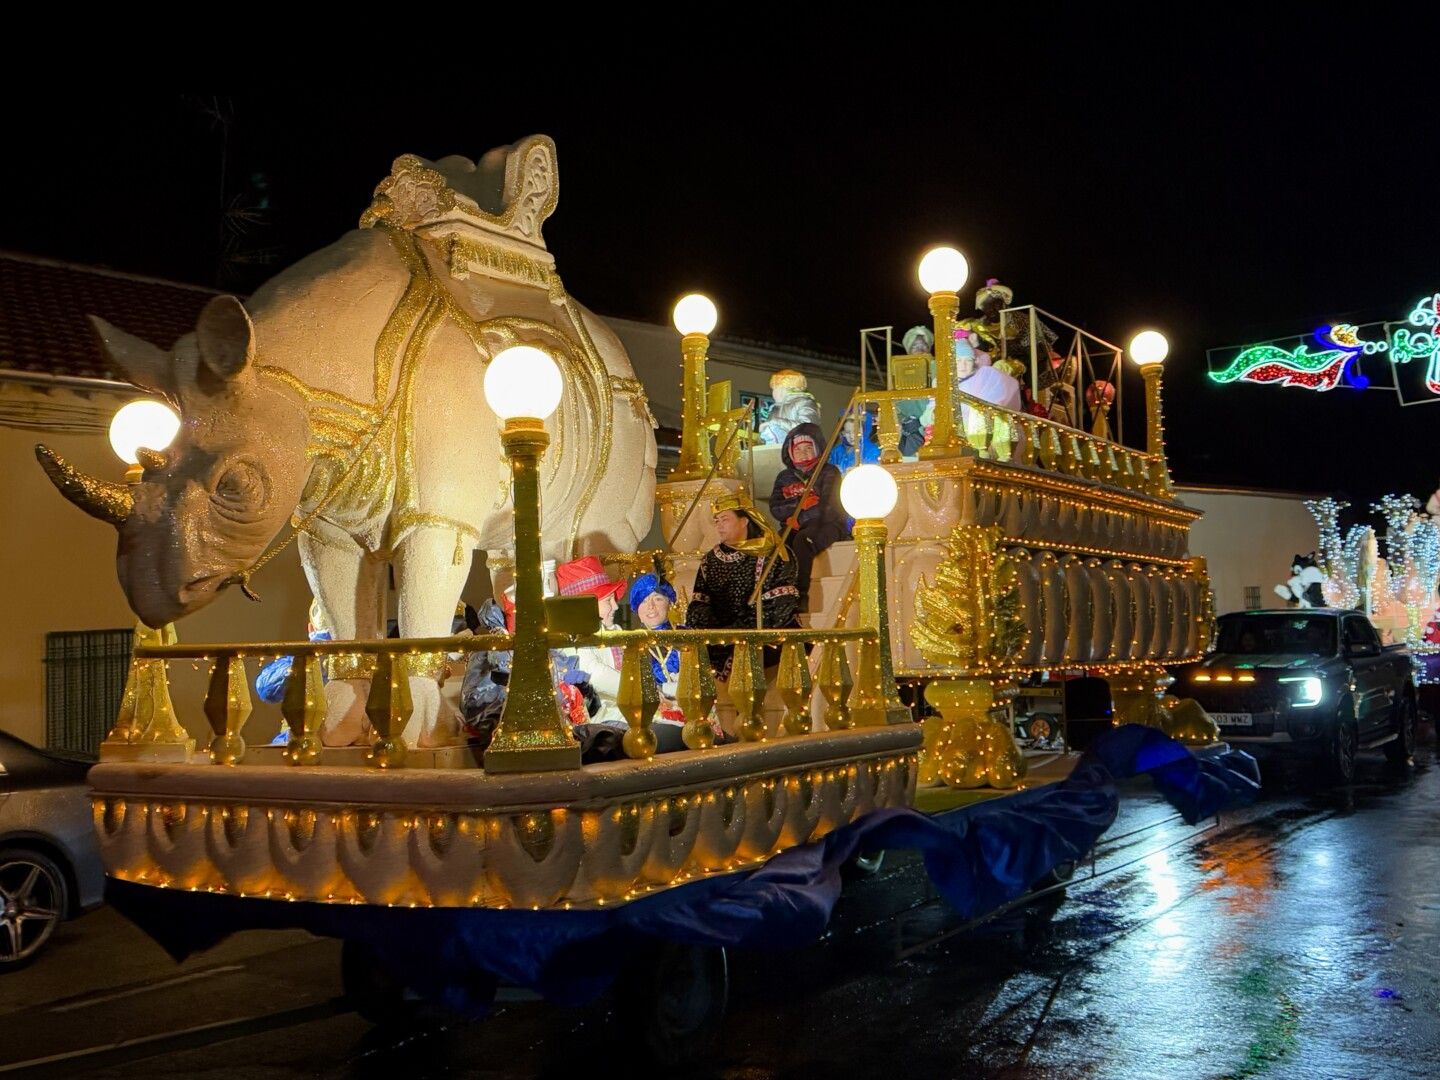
645, 586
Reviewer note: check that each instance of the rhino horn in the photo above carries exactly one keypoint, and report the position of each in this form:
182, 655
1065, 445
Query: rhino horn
98, 498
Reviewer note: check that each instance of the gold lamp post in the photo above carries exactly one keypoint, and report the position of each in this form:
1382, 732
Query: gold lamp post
943, 271
695, 317
1148, 349
139, 432
868, 494
523, 387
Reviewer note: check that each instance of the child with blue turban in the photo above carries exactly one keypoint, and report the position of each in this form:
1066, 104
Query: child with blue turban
650, 599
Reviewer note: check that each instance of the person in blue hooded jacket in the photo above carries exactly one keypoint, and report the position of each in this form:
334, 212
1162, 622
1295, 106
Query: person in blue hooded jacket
817, 520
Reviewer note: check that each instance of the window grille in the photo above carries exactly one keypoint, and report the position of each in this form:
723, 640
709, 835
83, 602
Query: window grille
85, 673
1252, 597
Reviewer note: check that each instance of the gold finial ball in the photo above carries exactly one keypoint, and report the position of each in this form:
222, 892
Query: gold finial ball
388, 753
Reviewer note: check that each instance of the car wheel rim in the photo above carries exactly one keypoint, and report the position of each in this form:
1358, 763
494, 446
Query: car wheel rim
29, 908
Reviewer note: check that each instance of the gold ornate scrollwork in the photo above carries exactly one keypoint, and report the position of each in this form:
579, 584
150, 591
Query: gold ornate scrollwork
970, 617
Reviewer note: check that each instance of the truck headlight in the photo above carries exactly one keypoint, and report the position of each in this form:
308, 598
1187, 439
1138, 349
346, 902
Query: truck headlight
1306, 691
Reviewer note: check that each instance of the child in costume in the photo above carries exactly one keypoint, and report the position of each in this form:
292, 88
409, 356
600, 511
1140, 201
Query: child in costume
599, 667
650, 598
817, 520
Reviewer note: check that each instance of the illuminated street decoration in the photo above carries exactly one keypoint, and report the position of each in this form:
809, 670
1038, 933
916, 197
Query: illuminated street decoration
1334, 363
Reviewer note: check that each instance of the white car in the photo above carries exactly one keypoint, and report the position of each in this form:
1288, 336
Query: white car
50, 865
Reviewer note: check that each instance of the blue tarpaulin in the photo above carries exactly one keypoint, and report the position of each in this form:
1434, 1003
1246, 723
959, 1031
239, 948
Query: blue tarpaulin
980, 857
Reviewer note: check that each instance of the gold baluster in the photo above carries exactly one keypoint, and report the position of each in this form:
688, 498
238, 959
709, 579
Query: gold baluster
1002, 438
695, 695
1070, 454
304, 710
1050, 447
836, 684
388, 706
637, 698
974, 419
888, 432
227, 707
747, 690
1029, 435
793, 682
1110, 465
145, 725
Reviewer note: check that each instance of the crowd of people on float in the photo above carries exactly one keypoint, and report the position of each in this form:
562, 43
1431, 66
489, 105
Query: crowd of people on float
805, 518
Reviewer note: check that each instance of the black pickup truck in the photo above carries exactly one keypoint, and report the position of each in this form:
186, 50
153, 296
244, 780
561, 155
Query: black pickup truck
1311, 681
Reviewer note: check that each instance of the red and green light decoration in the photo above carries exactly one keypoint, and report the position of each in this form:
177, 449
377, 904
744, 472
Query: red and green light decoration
1340, 346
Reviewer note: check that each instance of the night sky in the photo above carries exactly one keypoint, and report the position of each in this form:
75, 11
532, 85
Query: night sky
1228, 189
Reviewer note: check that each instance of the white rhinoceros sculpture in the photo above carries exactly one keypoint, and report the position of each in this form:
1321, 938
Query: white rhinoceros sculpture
344, 402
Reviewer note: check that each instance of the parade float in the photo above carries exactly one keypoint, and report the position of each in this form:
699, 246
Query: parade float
340, 409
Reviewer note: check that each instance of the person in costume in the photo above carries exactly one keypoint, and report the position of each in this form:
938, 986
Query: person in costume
817, 520
977, 377
794, 405
651, 597
487, 676
597, 666
727, 576
918, 341
857, 444
270, 680
1008, 346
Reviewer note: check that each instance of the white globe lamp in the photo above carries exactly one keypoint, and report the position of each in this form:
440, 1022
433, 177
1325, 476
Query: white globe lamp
146, 423
868, 492
1149, 347
943, 270
695, 314
523, 381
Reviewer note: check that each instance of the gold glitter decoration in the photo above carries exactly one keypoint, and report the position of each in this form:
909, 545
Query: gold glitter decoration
970, 617
109, 502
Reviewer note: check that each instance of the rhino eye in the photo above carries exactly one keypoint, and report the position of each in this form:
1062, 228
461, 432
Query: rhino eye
240, 489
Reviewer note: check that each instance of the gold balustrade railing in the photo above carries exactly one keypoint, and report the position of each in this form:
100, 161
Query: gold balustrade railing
999, 434
227, 703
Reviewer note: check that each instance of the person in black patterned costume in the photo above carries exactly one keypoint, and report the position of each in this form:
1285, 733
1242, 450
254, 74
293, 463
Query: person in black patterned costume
726, 578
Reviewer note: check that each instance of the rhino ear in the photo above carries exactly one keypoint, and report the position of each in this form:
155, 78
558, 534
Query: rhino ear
140, 362
225, 337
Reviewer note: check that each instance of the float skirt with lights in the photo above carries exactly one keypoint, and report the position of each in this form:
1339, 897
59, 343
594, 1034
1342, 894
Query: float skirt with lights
979, 857
577, 838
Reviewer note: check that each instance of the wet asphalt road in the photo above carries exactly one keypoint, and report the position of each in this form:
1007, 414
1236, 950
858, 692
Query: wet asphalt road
1298, 938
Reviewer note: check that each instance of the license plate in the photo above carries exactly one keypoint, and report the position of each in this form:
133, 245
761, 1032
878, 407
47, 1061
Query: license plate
1233, 719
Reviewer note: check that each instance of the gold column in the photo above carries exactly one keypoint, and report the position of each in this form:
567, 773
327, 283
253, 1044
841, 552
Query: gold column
1155, 428
304, 710
146, 728
875, 700
531, 735
943, 440
227, 707
693, 458
888, 433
